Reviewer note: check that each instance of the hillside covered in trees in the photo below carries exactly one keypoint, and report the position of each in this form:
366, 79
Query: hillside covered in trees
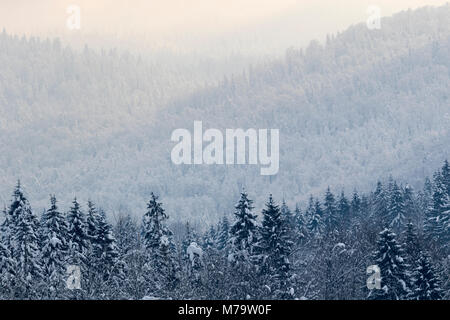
317, 250
366, 104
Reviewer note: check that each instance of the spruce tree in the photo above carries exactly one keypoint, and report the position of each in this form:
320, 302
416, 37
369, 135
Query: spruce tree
396, 217
330, 211
433, 226
356, 204
394, 275
344, 210
315, 223
54, 248
301, 229
426, 283
380, 205
107, 253
7, 263
243, 232
77, 236
275, 246
223, 236
157, 238
25, 244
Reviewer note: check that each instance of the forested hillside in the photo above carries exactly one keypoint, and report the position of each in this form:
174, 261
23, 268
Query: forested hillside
321, 249
365, 105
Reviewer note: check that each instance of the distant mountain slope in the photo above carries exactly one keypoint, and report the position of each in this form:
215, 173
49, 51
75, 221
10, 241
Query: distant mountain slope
369, 103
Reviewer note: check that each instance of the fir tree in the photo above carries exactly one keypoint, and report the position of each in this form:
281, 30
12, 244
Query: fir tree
77, 236
157, 239
243, 232
344, 210
315, 223
54, 247
380, 205
356, 204
396, 208
433, 224
275, 246
301, 229
223, 236
426, 284
25, 244
107, 253
394, 276
330, 211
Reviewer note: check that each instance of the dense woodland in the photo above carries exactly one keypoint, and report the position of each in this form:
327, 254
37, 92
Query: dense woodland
362, 106
319, 250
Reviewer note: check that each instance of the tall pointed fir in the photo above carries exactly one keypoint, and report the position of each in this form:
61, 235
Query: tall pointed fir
25, 244
78, 243
157, 239
242, 245
301, 229
54, 248
7, 263
355, 205
107, 246
394, 275
275, 246
433, 226
380, 206
222, 238
412, 247
243, 232
330, 211
344, 210
396, 218
426, 283
289, 220
316, 224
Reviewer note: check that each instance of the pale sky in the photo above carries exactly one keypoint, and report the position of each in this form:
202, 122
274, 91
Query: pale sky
309, 19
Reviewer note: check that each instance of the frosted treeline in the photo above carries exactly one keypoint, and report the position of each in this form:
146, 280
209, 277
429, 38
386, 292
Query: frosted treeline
365, 104
321, 249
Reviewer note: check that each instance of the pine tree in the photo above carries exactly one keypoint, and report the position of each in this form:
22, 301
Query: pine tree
433, 223
410, 205
54, 248
25, 244
92, 219
223, 236
301, 229
356, 204
275, 246
107, 253
243, 232
242, 279
157, 239
289, 220
396, 208
210, 238
380, 205
330, 211
7, 263
77, 236
426, 284
412, 246
394, 276
344, 210
315, 223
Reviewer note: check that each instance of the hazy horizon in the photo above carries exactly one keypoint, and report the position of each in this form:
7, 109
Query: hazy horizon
255, 26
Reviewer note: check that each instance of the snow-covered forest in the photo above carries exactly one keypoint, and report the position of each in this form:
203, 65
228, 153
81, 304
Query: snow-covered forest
363, 118
317, 250
366, 104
